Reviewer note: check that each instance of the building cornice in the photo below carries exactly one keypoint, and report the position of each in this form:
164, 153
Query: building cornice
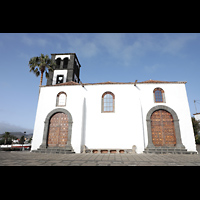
117, 83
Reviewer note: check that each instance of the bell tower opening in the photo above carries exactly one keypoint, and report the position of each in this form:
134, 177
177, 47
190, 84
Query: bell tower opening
67, 69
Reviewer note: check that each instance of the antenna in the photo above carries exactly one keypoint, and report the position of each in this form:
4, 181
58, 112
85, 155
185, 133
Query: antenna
196, 101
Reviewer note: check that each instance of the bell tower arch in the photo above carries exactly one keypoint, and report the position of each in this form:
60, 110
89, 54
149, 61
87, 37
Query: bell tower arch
67, 69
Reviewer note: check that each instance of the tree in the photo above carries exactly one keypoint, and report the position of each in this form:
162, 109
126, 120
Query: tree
196, 128
21, 141
6, 136
39, 65
30, 139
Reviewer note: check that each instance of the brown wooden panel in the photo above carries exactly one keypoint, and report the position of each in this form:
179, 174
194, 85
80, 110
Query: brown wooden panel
162, 127
58, 130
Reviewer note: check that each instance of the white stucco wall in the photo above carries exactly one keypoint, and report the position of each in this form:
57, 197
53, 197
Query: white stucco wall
123, 128
47, 103
176, 99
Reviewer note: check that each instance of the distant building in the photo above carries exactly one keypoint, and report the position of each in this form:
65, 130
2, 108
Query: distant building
110, 117
197, 116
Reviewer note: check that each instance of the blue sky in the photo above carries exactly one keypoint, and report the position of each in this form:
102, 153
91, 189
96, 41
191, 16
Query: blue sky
119, 57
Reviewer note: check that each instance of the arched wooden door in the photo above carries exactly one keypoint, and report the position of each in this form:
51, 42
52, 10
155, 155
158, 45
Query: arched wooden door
58, 130
162, 128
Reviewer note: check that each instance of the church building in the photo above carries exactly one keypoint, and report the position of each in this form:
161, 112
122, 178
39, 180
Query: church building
110, 117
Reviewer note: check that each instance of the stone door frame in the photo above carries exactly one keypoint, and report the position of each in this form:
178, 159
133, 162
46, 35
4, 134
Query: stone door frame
46, 128
176, 126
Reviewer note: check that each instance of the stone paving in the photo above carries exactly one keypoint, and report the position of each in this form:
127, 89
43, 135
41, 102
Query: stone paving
42, 159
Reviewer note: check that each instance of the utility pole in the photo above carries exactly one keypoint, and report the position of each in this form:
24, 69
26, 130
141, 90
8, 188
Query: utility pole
196, 101
195, 105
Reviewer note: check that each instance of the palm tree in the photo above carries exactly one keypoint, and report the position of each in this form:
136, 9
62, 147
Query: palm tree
6, 136
40, 65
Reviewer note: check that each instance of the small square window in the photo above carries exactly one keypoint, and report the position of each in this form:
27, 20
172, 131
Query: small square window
59, 79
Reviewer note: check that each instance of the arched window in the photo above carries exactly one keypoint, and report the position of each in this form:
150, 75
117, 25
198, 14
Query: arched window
65, 63
159, 95
58, 60
108, 102
61, 99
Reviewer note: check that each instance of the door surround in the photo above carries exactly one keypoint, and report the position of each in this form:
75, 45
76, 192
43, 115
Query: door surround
176, 126
46, 127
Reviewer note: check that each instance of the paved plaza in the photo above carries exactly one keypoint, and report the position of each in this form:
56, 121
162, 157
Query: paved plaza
41, 159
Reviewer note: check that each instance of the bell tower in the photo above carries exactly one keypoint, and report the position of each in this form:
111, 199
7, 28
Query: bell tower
67, 69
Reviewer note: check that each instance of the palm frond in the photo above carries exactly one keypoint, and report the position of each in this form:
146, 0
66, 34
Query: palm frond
32, 68
39, 65
37, 72
47, 74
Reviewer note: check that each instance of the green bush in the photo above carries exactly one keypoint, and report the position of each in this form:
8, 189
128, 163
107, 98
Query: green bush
197, 139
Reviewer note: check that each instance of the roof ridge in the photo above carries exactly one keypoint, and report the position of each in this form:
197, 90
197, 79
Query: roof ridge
68, 83
154, 81
109, 82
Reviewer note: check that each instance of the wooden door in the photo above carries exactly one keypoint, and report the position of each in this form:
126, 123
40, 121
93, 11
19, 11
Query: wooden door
58, 130
162, 128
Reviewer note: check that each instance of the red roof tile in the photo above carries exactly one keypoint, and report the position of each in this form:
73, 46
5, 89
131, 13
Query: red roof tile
154, 81
67, 83
109, 82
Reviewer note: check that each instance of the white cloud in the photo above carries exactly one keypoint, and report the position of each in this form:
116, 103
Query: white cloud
152, 68
122, 46
90, 44
31, 40
42, 42
89, 49
79, 43
111, 42
174, 43
27, 40
126, 47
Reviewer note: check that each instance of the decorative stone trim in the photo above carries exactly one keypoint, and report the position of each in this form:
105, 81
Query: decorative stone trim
46, 128
150, 145
109, 151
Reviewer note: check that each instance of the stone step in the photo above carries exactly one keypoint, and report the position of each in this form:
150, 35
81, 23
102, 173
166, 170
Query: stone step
53, 150
164, 150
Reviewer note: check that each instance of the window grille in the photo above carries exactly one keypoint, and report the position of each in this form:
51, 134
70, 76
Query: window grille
159, 95
108, 102
61, 99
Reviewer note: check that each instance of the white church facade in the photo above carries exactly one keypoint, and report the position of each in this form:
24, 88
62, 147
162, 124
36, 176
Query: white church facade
110, 117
